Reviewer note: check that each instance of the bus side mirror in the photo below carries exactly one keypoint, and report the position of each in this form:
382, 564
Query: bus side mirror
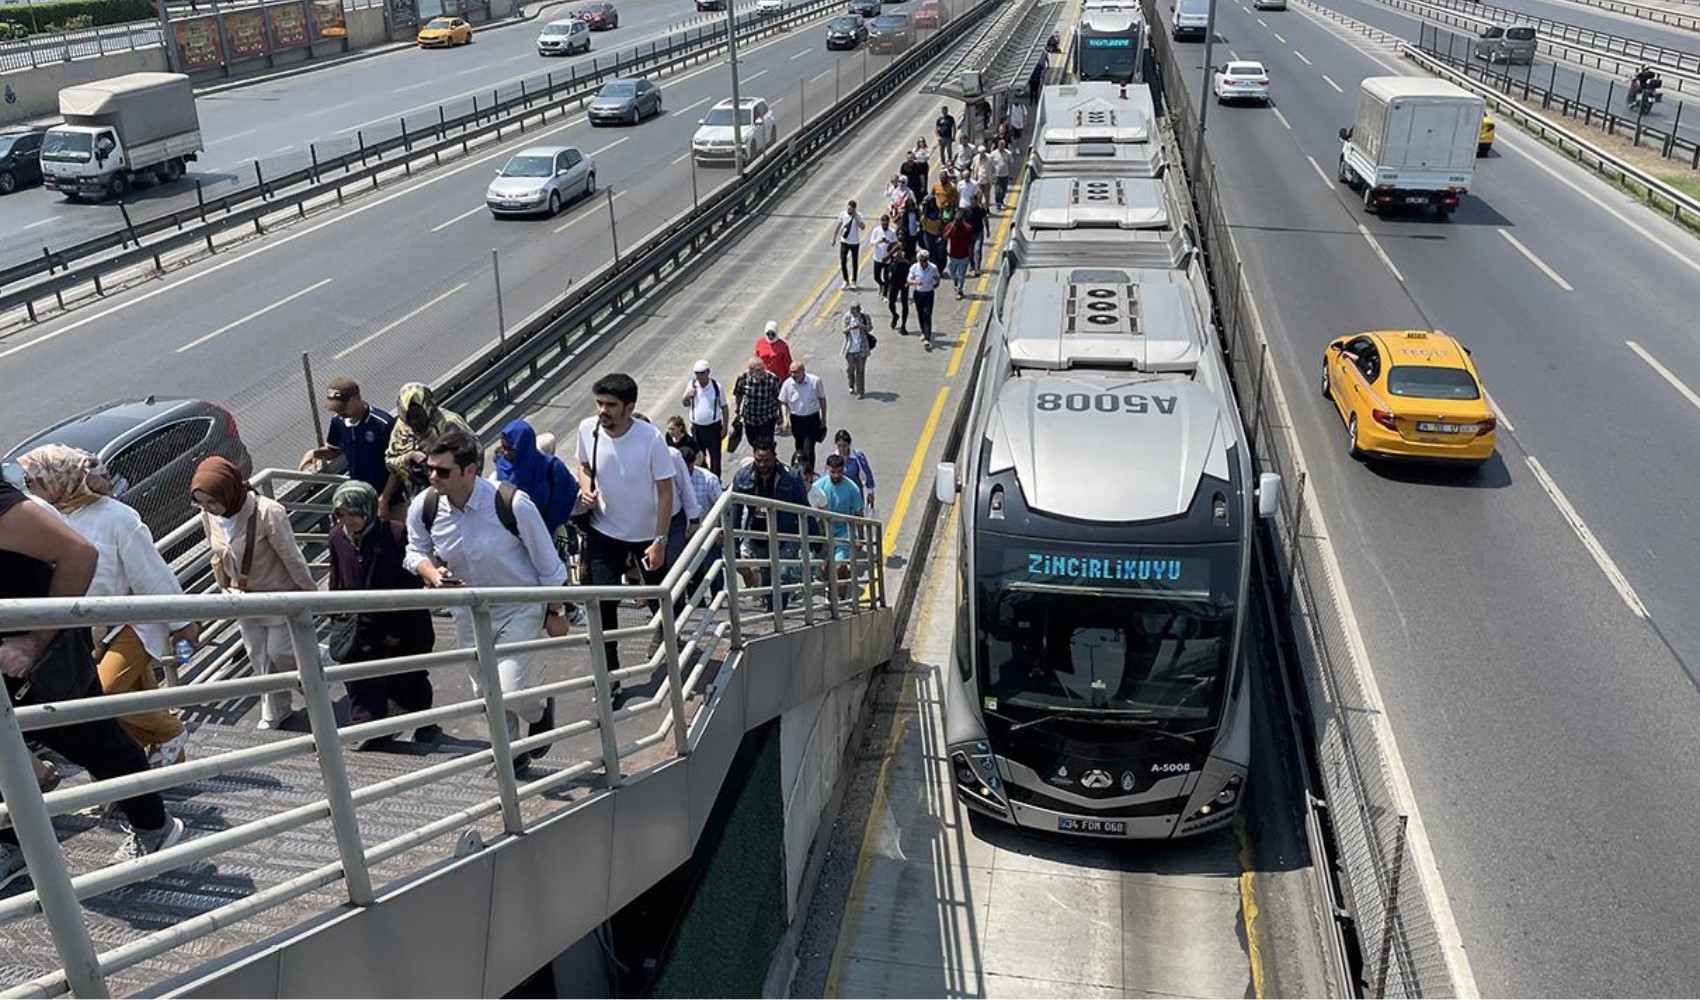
1268, 494
944, 483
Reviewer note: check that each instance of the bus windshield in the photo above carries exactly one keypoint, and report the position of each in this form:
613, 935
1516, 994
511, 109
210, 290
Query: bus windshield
1144, 632
1108, 57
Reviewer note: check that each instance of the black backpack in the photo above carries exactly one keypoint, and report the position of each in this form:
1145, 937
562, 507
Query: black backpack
504, 507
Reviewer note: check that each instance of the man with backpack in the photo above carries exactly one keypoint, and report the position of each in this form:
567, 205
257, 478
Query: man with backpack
468, 531
711, 415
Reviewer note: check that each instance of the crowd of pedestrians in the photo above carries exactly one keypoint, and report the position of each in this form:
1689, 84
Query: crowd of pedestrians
419, 509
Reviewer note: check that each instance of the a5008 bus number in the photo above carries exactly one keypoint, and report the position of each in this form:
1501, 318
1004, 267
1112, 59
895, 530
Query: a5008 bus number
1104, 402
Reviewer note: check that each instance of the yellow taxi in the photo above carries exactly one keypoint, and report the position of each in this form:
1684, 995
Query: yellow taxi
444, 32
1409, 394
1484, 139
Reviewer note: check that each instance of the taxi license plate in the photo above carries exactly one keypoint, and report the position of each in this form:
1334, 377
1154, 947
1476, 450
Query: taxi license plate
1416, 199
1432, 428
1111, 827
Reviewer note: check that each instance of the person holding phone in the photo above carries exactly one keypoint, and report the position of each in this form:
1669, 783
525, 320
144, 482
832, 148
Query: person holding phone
626, 486
485, 535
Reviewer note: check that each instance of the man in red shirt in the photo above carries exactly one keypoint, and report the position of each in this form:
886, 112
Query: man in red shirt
774, 352
958, 247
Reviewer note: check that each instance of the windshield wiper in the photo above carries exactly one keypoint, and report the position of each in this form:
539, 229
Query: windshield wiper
1095, 716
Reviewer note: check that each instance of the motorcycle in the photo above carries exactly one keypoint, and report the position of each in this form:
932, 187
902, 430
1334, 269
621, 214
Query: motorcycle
1645, 90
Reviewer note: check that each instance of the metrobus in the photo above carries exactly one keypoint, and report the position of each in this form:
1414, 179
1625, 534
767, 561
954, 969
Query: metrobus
1106, 502
1109, 44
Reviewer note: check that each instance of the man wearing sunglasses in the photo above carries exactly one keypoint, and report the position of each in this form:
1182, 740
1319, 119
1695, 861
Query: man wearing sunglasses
469, 542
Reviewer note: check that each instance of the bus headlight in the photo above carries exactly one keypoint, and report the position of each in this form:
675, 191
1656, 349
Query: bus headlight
1222, 802
976, 777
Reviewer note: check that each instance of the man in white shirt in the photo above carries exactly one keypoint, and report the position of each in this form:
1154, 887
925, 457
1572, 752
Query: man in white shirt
476, 549
848, 232
626, 483
710, 412
708, 488
883, 237
923, 282
966, 190
1018, 120
802, 408
1002, 164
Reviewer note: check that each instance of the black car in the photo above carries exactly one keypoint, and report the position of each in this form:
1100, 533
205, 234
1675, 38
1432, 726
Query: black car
845, 32
20, 159
711, 5
865, 8
890, 33
151, 446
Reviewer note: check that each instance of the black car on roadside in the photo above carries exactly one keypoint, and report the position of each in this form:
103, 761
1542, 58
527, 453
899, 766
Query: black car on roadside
846, 32
151, 446
865, 8
20, 159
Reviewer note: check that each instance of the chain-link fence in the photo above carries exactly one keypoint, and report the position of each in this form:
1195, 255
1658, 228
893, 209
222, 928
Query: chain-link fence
1597, 103
1400, 949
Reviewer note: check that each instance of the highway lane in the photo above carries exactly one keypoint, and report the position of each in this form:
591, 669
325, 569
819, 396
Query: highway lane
1542, 722
1625, 25
388, 256
1595, 87
275, 120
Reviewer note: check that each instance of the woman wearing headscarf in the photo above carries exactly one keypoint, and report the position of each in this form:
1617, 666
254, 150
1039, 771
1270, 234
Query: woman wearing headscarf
79, 487
419, 421
243, 526
366, 554
543, 477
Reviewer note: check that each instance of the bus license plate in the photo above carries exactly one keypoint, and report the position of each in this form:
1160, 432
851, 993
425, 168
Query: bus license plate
1108, 827
1431, 428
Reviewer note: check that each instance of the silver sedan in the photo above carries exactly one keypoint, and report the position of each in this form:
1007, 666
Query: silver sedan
541, 179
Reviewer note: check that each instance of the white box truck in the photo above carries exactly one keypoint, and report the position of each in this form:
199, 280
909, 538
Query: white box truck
1413, 143
138, 125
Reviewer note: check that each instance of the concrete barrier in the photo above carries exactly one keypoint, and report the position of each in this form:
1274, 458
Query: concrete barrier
34, 93
366, 27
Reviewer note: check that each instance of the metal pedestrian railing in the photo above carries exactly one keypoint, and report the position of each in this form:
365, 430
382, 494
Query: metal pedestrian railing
712, 602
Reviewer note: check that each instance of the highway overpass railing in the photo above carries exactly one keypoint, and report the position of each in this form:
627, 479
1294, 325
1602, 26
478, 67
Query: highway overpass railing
1663, 135
62, 47
824, 568
259, 189
1400, 949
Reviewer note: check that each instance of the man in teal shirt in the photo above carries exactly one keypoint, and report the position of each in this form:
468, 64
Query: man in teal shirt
839, 494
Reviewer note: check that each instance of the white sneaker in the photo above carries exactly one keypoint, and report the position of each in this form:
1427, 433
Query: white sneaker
11, 864
265, 723
172, 751
142, 843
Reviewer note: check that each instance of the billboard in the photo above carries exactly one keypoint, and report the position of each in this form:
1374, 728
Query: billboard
328, 21
198, 44
289, 25
246, 30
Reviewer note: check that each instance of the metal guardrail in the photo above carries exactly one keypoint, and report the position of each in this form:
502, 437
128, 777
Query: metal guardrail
53, 49
575, 324
1586, 46
799, 566
1645, 12
364, 163
1400, 951
1498, 89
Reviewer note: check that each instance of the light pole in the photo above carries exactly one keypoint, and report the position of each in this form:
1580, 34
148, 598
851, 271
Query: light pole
737, 106
1204, 89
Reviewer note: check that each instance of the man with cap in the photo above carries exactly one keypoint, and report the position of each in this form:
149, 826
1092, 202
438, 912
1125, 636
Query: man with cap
774, 352
359, 432
710, 412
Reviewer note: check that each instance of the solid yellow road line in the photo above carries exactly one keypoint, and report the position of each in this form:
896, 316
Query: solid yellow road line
917, 462
1249, 910
985, 282
864, 264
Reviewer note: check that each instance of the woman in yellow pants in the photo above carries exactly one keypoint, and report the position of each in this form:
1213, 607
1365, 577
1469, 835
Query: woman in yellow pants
79, 487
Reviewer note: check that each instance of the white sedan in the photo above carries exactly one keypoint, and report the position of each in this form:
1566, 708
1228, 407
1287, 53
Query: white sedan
769, 6
1241, 80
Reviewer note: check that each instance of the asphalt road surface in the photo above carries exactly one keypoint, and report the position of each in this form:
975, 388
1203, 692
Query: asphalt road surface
331, 108
1546, 723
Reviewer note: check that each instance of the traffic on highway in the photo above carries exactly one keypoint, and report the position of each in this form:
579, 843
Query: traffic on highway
1479, 354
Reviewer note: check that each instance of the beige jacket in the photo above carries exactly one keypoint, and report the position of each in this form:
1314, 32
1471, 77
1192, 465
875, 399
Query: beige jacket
278, 563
